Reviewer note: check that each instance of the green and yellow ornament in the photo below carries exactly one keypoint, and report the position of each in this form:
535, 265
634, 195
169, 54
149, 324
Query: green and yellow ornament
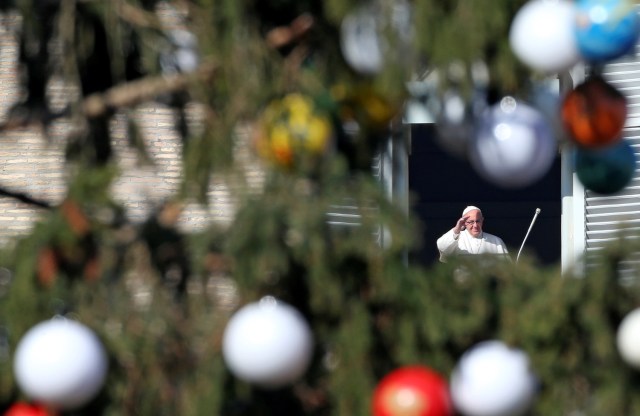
363, 104
293, 129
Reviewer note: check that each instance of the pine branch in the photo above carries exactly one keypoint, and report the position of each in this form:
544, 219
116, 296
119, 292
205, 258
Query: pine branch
22, 197
141, 90
285, 35
98, 104
137, 16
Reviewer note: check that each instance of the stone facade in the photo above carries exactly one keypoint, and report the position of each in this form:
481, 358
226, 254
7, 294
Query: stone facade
32, 161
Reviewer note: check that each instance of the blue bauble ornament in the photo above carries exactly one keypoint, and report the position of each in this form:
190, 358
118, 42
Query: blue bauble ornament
607, 170
606, 29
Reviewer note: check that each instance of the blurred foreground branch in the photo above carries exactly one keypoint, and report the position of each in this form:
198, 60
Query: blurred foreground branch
139, 91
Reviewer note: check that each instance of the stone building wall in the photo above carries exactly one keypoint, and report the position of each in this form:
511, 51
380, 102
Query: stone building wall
31, 162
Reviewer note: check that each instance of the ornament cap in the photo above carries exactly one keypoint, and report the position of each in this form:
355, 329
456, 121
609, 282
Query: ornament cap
508, 104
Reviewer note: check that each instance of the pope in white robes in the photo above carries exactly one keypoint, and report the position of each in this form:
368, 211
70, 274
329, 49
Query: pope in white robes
468, 238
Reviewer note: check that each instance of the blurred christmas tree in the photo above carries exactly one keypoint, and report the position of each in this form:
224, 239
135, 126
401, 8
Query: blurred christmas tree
308, 93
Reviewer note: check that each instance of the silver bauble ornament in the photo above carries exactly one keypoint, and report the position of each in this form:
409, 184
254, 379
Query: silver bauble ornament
514, 146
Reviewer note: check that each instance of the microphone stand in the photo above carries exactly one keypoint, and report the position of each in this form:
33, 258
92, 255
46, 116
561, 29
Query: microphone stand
528, 231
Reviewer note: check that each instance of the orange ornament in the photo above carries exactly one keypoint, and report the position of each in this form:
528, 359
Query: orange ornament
412, 391
594, 113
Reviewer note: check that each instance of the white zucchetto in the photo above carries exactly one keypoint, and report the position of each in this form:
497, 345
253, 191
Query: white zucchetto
470, 208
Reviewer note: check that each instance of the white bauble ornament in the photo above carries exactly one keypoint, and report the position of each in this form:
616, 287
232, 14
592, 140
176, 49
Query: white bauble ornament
456, 120
366, 41
513, 146
60, 363
492, 379
267, 343
181, 56
628, 338
542, 35
360, 42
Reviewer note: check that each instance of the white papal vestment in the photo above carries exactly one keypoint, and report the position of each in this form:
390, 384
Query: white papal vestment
466, 244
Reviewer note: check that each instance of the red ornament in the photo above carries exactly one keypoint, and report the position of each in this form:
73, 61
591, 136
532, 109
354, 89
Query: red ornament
594, 113
26, 409
412, 391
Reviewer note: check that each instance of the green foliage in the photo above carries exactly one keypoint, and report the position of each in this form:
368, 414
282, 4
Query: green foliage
159, 298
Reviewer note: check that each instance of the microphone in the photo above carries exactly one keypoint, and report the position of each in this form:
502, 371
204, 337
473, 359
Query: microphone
538, 210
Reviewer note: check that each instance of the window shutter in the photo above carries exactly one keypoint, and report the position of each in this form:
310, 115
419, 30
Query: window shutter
389, 167
607, 216
348, 214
